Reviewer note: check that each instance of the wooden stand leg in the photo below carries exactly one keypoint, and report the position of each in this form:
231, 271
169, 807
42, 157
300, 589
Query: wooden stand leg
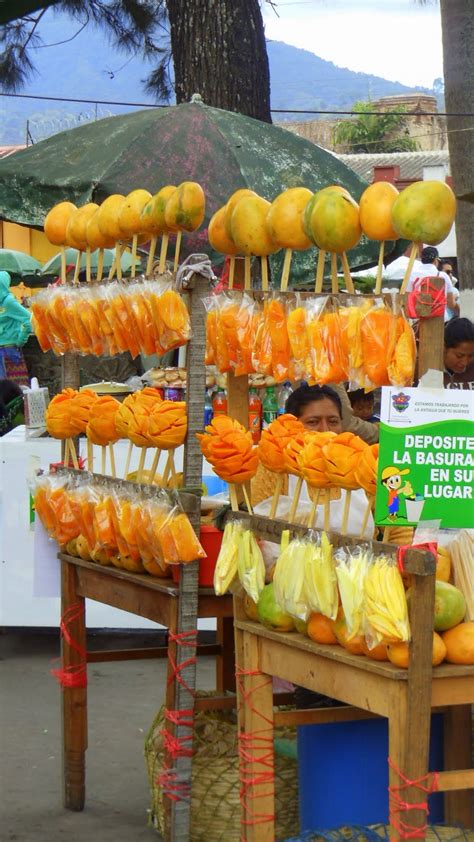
225, 662
74, 700
458, 804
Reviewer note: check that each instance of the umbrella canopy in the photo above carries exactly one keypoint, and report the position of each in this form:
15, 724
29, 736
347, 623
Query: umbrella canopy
53, 265
220, 149
17, 262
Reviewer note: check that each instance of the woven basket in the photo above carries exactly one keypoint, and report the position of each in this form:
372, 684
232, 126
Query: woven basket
215, 805
380, 833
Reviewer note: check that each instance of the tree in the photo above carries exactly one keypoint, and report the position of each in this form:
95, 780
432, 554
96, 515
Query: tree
384, 132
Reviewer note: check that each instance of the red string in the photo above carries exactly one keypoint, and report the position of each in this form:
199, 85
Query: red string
255, 750
74, 675
187, 638
172, 787
428, 784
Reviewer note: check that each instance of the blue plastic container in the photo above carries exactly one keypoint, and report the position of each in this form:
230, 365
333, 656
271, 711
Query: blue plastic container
343, 773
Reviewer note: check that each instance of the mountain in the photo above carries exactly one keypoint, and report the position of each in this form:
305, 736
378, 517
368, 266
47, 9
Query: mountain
88, 67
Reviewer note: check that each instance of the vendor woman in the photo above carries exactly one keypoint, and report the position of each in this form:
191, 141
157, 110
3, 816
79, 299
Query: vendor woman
459, 354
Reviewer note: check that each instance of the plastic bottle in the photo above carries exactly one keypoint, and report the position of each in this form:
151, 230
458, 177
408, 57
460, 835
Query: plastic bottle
219, 403
283, 395
255, 415
269, 406
208, 410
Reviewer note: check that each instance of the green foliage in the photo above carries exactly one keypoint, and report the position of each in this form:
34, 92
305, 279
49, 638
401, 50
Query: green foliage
387, 132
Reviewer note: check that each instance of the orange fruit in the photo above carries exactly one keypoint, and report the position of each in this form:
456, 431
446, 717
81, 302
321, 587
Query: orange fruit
443, 565
339, 627
378, 653
319, 629
459, 643
399, 653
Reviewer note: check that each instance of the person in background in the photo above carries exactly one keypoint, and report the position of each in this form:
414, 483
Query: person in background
448, 269
11, 406
362, 404
15, 328
431, 262
459, 354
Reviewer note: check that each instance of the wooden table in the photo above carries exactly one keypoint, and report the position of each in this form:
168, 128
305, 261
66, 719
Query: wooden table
146, 596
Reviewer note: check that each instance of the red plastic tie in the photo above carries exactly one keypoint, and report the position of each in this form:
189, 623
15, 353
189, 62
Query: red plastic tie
255, 750
187, 638
427, 784
74, 675
430, 546
172, 787
424, 292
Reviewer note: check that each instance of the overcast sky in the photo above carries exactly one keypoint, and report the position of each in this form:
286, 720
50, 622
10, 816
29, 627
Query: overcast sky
396, 39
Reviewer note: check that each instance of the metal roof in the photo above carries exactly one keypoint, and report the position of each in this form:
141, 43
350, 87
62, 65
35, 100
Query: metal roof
5, 151
411, 163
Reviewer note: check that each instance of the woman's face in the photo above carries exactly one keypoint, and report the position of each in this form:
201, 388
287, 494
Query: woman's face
457, 359
321, 416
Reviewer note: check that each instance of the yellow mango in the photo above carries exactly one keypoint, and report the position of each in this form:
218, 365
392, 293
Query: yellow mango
109, 214
56, 221
249, 228
335, 223
153, 213
229, 208
130, 214
94, 237
284, 219
217, 234
76, 229
186, 207
424, 212
375, 208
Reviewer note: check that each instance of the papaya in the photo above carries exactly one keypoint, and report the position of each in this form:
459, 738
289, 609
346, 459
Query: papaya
270, 614
334, 222
56, 221
217, 234
248, 226
153, 213
399, 653
424, 212
108, 216
375, 208
284, 219
459, 642
130, 221
185, 208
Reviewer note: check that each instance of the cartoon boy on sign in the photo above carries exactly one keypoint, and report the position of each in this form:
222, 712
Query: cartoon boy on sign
392, 480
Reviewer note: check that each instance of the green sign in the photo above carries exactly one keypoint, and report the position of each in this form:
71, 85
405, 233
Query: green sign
426, 457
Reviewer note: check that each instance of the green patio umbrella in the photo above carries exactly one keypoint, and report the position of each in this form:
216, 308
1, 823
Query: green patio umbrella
53, 265
18, 262
220, 149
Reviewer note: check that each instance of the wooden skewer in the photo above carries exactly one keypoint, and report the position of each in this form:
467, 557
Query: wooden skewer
406, 277
88, 265
233, 497
163, 252
113, 267
231, 271
141, 463
286, 269
378, 280
134, 255
151, 255
264, 264
118, 258
172, 465
276, 495
177, 250
73, 453
112, 460
167, 470
75, 279
385, 534
327, 511
129, 458
334, 281
90, 455
320, 271
247, 277
247, 499
347, 273
370, 501
63, 264
154, 465
296, 499
100, 265
103, 459
312, 514
345, 514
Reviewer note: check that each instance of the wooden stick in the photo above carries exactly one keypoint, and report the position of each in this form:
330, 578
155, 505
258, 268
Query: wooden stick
113, 267
88, 265
63, 264
233, 497
163, 252
172, 465
90, 455
276, 495
327, 510
264, 264
141, 463
370, 501
286, 269
166, 472
378, 280
75, 279
334, 280
134, 255
118, 258
247, 276
151, 255
154, 465
320, 271
345, 514
247, 498
100, 265
406, 277
112, 460
312, 514
103, 459
385, 534
129, 458
296, 499
177, 250
347, 273
231, 271
73, 453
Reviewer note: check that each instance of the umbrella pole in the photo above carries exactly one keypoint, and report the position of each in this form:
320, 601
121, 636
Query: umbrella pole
320, 271
286, 270
151, 255
88, 265
406, 278
378, 282
177, 250
63, 265
134, 254
100, 265
334, 281
264, 262
231, 272
164, 249
247, 280
75, 280
347, 273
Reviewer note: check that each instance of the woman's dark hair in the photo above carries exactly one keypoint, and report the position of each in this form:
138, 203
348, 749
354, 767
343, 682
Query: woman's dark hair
304, 395
458, 330
360, 395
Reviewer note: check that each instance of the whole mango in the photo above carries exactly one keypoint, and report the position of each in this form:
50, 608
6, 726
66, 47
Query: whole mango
424, 212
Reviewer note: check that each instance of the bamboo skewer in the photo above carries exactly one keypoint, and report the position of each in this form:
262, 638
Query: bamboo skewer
100, 265
264, 264
334, 280
296, 499
378, 281
151, 255
312, 514
63, 264
128, 460
347, 273
141, 463
406, 277
154, 465
166, 472
247, 277
345, 514
134, 255
88, 265
286, 270
70, 454
368, 509
113, 267
276, 495
75, 279
247, 499
163, 252
90, 456
112, 460
177, 250
233, 497
118, 258
320, 271
103, 459
327, 510
172, 465
231, 271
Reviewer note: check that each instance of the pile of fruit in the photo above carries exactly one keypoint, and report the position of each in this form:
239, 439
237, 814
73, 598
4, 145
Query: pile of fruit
115, 525
310, 338
147, 318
